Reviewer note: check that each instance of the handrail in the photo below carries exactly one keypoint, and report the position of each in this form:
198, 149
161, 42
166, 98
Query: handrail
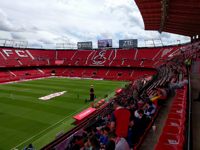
189, 120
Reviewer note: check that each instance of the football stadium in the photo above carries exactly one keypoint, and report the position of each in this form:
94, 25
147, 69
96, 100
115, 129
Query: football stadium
130, 86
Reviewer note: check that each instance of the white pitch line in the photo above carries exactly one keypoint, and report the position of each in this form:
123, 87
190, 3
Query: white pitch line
14, 148
25, 80
51, 96
49, 77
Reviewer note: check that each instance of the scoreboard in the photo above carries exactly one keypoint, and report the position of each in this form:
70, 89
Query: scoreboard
105, 43
129, 43
84, 45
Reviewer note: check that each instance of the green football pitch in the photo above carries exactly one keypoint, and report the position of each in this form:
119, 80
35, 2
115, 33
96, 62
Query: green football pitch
24, 118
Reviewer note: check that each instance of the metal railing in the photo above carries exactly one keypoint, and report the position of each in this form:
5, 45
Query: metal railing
189, 116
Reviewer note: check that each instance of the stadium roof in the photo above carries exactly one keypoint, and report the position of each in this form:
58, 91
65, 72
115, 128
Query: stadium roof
174, 16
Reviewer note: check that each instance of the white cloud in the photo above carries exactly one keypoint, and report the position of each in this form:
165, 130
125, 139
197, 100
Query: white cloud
47, 21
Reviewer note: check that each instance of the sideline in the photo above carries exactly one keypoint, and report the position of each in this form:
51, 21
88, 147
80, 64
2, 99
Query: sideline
48, 77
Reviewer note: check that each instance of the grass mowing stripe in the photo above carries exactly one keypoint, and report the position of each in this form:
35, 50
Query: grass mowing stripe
39, 86
70, 83
27, 99
29, 113
41, 108
23, 89
43, 131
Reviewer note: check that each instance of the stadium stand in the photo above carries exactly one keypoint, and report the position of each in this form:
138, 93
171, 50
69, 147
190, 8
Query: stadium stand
11, 57
153, 76
132, 58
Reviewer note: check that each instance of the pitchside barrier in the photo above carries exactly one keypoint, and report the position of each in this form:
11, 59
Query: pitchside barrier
84, 115
89, 111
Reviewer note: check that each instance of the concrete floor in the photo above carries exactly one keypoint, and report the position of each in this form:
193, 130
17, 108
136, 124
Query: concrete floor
195, 80
152, 137
196, 125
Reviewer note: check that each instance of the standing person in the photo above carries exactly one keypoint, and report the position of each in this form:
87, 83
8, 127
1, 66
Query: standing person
91, 93
120, 120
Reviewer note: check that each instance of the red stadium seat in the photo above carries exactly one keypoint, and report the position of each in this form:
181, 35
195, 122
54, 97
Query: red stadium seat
172, 140
173, 130
176, 116
161, 146
178, 111
179, 104
175, 122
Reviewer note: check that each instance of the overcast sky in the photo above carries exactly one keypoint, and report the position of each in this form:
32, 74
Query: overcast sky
55, 21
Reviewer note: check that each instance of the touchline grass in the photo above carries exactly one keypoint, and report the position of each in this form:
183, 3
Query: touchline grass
24, 118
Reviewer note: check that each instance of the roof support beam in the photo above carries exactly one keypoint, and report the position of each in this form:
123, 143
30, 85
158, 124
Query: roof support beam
164, 9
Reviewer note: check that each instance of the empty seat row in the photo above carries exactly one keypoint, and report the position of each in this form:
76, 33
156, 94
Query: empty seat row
173, 134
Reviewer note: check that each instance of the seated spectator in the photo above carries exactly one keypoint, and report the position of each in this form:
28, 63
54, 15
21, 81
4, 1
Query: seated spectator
120, 143
93, 143
110, 145
150, 109
120, 120
159, 96
78, 142
136, 114
162, 93
140, 103
178, 85
104, 136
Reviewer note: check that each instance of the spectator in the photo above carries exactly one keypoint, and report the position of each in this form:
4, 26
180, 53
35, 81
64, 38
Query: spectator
120, 120
120, 143
104, 136
110, 145
188, 63
150, 109
141, 121
162, 93
93, 143
92, 93
178, 85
